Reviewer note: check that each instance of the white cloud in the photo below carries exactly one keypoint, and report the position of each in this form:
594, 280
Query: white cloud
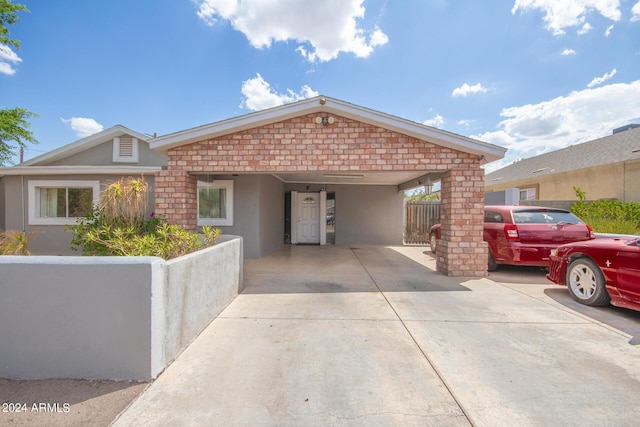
437, 122
466, 89
258, 94
567, 52
599, 80
322, 29
585, 29
8, 58
578, 117
635, 12
559, 15
83, 126
607, 32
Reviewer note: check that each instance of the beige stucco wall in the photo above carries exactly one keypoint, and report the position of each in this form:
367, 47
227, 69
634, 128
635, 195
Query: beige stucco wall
613, 181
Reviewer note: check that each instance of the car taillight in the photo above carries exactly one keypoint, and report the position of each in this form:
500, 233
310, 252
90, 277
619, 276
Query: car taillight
511, 232
592, 234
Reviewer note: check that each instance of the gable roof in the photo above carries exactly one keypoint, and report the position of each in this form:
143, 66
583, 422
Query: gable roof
323, 104
615, 148
82, 145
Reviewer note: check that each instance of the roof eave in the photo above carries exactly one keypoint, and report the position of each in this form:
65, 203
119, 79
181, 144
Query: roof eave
489, 152
78, 170
83, 144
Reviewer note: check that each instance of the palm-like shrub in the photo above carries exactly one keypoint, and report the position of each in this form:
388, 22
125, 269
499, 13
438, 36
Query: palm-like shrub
15, 242
119, 227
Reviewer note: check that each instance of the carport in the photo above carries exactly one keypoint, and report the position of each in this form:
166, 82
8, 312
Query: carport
324, 171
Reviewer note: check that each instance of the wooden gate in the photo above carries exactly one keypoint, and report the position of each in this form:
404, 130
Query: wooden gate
418, 219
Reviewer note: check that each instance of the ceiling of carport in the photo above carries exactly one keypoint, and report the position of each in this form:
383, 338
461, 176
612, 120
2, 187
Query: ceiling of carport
403, 179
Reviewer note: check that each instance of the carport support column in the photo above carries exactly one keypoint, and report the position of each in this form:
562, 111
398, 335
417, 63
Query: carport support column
462, 251
176, 197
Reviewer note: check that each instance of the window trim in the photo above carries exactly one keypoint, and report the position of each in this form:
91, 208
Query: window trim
222, 184
34, 199
535, 188
117, 158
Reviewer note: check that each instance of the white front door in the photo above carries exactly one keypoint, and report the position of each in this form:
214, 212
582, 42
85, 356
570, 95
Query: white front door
308, 220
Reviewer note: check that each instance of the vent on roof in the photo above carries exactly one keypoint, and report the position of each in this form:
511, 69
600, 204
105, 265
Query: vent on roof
125, 149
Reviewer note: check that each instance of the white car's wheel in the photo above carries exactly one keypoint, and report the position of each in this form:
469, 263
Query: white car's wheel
586, 283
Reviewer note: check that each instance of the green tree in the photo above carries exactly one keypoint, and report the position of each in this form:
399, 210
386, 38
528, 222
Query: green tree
8, 16
14, 127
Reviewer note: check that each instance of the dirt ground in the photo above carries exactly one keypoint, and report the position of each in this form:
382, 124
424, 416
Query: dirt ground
64, 402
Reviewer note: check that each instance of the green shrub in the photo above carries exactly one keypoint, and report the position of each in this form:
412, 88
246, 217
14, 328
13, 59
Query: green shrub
118, 227
613, 226
607, 216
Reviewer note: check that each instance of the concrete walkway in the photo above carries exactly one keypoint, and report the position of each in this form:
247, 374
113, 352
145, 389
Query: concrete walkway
371, 335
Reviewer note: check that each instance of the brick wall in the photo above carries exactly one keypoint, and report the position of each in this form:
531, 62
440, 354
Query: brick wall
302, 145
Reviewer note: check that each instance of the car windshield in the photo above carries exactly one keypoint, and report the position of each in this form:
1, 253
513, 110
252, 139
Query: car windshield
545, 217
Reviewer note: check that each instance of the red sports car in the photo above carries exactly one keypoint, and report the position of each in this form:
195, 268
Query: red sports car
599, 271
525, 235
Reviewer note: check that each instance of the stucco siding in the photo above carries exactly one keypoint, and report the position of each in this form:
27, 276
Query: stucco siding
2, 203
632, 181
365, 214
102, 155
271, 214
49, 239
613, 181
368, 215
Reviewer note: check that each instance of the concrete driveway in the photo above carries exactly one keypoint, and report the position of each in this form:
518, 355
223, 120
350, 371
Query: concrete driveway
371, 335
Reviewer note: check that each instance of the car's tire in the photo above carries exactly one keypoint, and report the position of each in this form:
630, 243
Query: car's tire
432, 242
492, 265
586, 283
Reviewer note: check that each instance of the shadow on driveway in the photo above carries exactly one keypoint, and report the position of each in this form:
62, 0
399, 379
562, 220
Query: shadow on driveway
627, 321
338, 269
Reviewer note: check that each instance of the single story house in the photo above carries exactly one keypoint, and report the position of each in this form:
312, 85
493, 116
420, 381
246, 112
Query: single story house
317, 171
606, 168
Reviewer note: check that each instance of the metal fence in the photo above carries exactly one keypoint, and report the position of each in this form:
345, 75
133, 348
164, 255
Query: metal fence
418, 219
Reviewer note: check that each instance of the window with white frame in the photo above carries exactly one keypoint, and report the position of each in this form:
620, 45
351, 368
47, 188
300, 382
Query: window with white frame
528, 194
215, 201
61, 202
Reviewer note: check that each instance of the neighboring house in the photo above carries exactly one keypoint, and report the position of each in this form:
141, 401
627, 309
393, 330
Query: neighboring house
52, 190
318, 171
322, 170
606, 168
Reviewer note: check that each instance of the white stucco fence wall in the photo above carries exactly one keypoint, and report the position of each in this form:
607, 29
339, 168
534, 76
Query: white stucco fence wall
110, 317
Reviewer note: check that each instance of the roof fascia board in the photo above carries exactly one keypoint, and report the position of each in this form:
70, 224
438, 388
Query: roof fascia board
418, 130
84, 144
331, 106
78, 170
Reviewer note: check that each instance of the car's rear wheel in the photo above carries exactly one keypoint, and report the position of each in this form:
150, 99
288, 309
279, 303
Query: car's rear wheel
493, 265
432, 242
586, 282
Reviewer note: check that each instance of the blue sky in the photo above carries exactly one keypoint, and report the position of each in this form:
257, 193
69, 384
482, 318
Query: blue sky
529, 75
